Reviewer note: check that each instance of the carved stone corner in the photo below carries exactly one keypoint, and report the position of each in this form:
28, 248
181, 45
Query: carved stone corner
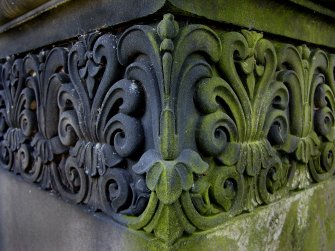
170, 129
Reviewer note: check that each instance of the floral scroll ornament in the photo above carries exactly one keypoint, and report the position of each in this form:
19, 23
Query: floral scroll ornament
170, 129
168, 178
308, 75
166, 175
170, 168
99, 122
18, 112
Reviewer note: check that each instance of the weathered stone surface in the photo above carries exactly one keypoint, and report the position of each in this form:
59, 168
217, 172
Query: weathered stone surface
303, 221
10, 9
176, 128
73, 18
32, 219
276, 17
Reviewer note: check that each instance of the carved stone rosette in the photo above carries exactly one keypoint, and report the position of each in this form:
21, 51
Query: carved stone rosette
170, 129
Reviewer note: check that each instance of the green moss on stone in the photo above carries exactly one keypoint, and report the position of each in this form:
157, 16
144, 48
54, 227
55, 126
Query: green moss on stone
304, 221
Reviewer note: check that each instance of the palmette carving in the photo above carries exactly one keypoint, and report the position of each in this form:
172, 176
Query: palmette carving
44, 74
309, 77
18, 105
170, 129
99, 121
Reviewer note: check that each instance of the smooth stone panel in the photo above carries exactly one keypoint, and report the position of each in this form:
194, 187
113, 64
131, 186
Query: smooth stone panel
34, 220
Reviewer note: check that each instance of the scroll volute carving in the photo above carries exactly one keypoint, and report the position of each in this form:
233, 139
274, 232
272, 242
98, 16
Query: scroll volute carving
18, 111
242, 121
309, 79
170, 129
44, 74
173, 166
100, 121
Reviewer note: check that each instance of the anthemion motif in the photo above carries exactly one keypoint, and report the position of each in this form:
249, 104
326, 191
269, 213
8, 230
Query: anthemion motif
170, 128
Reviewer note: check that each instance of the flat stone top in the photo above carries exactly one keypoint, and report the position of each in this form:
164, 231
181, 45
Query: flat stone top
329, 3
10, 9
58, 20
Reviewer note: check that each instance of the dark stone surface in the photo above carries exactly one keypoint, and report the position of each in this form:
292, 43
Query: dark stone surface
73, 19
328, 3
295, 19
10, 9
33, 220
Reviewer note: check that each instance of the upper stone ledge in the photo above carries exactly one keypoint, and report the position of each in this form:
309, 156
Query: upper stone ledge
71, 19
295, 19
16, 12
323, 7
10, 9
329, 3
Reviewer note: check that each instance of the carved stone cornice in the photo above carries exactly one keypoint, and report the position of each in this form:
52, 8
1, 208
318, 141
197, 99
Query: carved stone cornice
16, 12
288, 19
10, 9
172, 128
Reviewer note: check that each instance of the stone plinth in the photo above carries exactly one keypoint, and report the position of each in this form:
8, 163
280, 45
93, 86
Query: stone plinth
167, 125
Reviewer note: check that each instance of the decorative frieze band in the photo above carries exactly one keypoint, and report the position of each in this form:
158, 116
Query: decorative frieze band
168, 129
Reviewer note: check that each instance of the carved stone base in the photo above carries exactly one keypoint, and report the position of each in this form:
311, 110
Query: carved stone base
174, 126
33, 220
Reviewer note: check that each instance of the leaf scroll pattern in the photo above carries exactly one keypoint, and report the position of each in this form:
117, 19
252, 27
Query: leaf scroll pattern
172, 128
44, 74
308, 75
18, 117
99, 121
